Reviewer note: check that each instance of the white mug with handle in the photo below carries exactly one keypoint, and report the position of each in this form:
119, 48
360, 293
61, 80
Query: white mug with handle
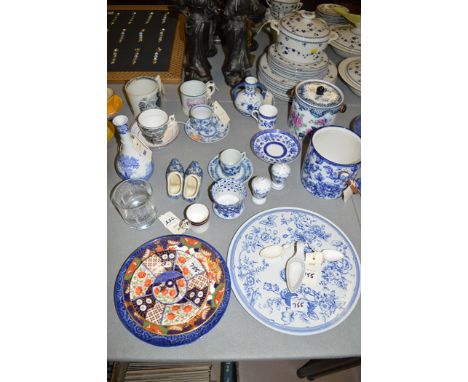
195, 92
144, 92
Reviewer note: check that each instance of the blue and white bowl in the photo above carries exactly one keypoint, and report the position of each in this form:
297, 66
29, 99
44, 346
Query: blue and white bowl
228, 196
333, 158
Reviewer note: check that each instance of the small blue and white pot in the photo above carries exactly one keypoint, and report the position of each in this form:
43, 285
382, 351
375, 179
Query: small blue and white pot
333, 157
315, 105
201, 118
230, 161
279, 174
228, 196
266, 116
249, 95
261, 187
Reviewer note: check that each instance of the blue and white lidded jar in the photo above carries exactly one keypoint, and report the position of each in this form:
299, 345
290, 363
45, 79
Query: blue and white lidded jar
228, 195
261, 187
134, 160
279, 174
315, 104
333, 158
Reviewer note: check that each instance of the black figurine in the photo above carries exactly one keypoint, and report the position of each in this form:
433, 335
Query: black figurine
237, 38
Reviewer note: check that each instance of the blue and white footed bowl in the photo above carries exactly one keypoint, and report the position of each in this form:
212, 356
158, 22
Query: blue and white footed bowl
228, 196
324, 178
311, 110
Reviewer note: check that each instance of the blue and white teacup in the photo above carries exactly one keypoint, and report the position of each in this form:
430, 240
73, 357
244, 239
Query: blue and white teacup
230, 161
333, 158
228, 196
266, 116
201, 117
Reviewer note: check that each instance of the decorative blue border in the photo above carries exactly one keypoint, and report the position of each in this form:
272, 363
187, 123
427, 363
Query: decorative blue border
275, 131
167, 341
265, 320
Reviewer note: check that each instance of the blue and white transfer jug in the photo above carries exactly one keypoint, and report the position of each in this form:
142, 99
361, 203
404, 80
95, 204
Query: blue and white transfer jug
251, 98
134, 160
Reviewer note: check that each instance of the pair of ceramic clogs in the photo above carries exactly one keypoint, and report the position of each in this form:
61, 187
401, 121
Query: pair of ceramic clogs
183, 183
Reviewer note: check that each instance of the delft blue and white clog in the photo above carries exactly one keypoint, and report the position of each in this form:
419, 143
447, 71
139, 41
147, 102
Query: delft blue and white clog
192, 181
174, 179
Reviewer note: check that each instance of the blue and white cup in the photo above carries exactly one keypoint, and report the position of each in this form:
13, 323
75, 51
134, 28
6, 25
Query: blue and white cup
228, 196
230, 161
266, 116
333, 157
153, 124
201, 117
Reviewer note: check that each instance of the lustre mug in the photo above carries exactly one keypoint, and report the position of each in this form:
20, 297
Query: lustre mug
195, 92
144, 93
198, 216
230, 161
333, 158
266, 116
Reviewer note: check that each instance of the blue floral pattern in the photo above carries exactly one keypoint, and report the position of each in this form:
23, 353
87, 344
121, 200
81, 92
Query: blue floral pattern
260, 284
233, 187
250, 99
323, 178
209, 131
261, 141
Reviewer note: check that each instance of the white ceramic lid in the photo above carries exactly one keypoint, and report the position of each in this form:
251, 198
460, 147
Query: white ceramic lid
305, 25
319, 93
349, 37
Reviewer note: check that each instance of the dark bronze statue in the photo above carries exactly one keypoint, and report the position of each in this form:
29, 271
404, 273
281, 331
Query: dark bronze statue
233, 20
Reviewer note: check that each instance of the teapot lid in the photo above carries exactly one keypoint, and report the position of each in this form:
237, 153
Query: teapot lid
349, 37
319, 93
304, 24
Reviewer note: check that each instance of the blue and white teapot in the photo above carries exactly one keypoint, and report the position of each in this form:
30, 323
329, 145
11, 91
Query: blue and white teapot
250, 95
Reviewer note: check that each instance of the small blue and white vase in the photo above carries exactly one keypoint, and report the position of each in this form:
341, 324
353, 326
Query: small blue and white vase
322, 175
228, 195
279, 174
251, 98
261, 187
174, 179
134, 161
192, 181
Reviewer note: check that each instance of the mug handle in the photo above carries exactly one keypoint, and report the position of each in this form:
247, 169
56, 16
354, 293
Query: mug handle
161, 86
298, 6
235, 91
210, 89
254, 115
243, 155
274, 25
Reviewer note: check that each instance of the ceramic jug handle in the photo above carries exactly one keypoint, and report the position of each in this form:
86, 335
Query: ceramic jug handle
254, 115
237, 89
210, 89
298, 6
161, 86
333, 36
274, 25
243, 155
262, 88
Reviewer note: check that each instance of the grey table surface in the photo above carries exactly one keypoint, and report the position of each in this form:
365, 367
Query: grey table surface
238, 336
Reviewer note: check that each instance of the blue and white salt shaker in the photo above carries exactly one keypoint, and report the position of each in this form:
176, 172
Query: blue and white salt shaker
279, 173
261, 187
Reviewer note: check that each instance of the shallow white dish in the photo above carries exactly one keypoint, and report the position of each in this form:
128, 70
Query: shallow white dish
343, 67
260, 284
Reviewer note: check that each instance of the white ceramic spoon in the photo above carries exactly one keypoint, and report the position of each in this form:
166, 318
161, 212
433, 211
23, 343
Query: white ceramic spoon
295, 268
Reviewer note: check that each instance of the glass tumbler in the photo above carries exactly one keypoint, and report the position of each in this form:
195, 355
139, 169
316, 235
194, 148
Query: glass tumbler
133, 200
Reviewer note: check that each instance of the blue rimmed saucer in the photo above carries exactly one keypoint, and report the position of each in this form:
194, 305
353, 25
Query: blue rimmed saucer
211, 133
246, 170
275, 146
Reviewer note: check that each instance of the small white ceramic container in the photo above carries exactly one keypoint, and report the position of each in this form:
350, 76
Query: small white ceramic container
195, 92
198, 215
144, 93
301, 36
230, 161
266, 116
153, 124
261, 187
279, 174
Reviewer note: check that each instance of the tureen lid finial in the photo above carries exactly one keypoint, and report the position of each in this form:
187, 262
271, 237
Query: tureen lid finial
320, 90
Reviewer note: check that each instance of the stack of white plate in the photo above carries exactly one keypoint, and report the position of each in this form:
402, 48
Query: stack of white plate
330, 15
280, 83
350, 73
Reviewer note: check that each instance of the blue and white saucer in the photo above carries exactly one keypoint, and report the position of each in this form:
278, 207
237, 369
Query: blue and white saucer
275, 146
246, 171
209, 134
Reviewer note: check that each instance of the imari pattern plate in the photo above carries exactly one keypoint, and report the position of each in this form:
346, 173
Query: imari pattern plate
172, 290
260, 283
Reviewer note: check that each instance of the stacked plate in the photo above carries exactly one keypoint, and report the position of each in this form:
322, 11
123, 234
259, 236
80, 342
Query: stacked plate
348, 43
330, 15
350, 73
280, 75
